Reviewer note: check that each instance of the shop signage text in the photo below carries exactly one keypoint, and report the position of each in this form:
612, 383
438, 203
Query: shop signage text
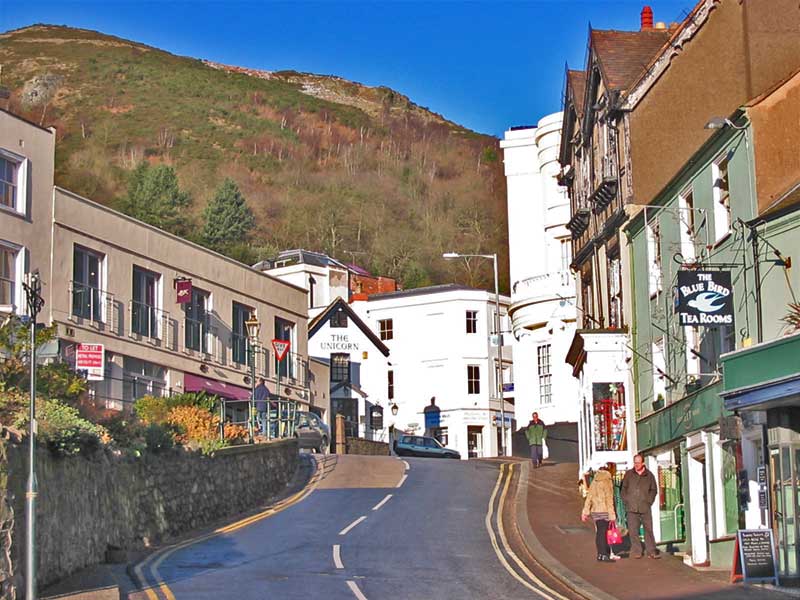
704, 298
92, 359
340, 341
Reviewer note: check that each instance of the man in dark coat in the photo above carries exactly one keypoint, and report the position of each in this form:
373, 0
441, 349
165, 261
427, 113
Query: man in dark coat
260, 397
639, 490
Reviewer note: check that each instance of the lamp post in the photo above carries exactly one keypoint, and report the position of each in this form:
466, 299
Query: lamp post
253, 328
493, 257
35, 302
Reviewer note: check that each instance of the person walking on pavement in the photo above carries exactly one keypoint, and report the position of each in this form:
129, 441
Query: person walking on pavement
260, 397
536, 432
599, 506
639, 490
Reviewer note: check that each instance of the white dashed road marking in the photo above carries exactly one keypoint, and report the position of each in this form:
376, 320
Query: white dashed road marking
353, 524
382, 502
337, 556
357, 592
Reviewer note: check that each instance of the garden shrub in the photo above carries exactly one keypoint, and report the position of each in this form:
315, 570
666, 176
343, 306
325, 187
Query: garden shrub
211, 445
159, 437
62, 429
156, 409
235, 434
196, 423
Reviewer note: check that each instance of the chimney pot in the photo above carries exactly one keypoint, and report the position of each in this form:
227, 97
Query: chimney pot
647, 18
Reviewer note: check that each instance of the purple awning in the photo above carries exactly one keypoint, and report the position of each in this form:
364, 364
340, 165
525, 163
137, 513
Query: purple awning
195, 383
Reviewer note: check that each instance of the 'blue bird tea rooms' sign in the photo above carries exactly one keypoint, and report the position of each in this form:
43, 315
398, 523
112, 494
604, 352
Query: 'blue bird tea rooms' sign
704, 298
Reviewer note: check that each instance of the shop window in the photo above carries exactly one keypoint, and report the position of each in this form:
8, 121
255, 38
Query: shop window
473, 379
609, 416
472, 321
442, 435
387, 329
545, 375
142, 378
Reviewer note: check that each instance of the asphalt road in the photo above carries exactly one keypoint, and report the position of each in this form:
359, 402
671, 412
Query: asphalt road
348, 539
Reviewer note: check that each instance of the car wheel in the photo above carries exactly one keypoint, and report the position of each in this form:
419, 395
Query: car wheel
323, 446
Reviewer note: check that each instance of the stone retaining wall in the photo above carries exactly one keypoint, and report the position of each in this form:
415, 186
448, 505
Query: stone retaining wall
90, 505
368, 447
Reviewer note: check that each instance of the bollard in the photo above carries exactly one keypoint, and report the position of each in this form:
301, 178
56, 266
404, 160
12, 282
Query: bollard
341, 443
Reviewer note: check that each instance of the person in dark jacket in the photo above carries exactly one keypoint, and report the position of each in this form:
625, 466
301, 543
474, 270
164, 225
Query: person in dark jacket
260, 398
639, 490
536, 434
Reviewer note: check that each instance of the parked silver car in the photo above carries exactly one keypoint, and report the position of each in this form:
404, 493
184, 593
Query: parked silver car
311, 432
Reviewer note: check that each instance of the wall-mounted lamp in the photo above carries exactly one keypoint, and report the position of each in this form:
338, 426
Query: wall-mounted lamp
394, 409
720, 122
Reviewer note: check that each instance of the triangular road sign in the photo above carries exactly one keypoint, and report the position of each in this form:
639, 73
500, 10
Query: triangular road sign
281, 347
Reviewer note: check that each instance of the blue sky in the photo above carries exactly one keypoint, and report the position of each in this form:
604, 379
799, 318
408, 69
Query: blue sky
487, 64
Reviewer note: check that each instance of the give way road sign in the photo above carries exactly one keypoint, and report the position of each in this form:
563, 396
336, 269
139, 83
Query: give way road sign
280, 347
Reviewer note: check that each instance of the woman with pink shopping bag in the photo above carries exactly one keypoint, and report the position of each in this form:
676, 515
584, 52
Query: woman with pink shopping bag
599, 506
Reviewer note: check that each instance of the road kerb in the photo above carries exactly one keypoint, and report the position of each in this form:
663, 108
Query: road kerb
547, 560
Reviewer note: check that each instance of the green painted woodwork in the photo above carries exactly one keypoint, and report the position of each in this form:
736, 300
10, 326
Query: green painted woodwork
764, 362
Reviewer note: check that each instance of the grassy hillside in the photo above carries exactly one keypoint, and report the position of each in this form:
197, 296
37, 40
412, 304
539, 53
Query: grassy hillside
326, 164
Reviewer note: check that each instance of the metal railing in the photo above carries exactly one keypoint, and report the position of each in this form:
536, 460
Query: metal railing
148, 321
277, 422
90, 303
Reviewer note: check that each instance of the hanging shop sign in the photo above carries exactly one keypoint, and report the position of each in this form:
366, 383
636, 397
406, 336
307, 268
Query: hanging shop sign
376, 417
704, 298
183, 289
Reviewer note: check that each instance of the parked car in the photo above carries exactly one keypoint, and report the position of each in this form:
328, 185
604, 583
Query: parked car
417, 445
311, 432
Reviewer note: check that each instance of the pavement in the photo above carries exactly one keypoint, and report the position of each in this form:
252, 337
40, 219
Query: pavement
548, 508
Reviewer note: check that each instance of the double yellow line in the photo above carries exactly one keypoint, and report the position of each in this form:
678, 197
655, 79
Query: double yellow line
530, 581
154, 561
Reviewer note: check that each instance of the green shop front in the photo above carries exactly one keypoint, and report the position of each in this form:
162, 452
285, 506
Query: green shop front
762, 387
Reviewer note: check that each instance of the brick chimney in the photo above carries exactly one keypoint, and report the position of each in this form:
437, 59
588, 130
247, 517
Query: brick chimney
647, 18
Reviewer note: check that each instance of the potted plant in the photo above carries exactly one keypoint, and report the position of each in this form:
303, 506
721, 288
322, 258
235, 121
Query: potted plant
792, 318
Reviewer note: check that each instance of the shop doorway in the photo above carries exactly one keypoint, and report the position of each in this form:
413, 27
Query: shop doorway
474, 441
784, 465
698, 502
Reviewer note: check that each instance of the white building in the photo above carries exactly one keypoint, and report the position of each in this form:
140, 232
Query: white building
542, 286
440, 349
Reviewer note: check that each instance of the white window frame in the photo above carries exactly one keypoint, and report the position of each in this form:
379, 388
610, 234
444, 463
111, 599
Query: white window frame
655, 275
686, 223
102, 280
17, 304
544, 365
659, 364
21, 200
722, 213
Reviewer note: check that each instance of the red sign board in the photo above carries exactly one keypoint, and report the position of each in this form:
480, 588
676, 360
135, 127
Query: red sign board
92, 359
184, 290
281, 347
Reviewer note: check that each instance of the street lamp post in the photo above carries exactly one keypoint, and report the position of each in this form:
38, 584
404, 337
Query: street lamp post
253, 328
493, 257
35, 302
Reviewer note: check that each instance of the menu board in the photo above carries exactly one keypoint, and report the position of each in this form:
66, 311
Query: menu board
755, 556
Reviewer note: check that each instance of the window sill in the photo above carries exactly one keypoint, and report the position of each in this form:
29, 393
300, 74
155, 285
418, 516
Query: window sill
721, 240
14, 212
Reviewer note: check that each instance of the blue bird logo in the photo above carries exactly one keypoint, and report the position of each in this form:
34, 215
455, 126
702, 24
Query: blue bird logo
705, 302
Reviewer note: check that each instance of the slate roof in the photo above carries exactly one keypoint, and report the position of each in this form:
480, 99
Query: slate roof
433, 289
624, 55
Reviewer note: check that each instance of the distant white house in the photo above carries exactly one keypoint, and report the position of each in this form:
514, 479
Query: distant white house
441, 351
358, 363
542, 287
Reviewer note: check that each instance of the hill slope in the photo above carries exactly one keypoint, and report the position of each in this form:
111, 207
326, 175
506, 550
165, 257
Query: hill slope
361, 173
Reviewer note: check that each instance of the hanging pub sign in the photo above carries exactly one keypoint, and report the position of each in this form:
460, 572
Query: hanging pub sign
376, 417
704, 298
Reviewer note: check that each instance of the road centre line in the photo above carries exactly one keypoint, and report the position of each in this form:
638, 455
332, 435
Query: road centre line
357, 592
382, 502
493, 539
353, 524
337, 556
402, 480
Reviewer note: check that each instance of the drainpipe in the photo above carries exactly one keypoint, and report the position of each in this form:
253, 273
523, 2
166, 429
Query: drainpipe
633, 324
757, 276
